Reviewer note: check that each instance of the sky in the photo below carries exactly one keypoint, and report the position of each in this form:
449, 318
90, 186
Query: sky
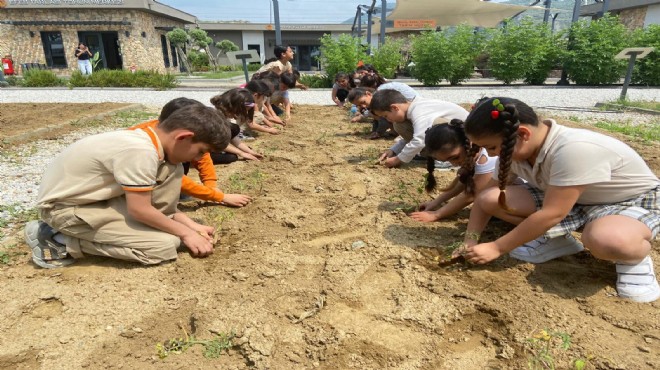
259, 11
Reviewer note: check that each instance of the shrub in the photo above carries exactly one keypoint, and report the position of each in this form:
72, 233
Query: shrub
425, 49
341, 54
316, 81
387, 58
592, 46
198, 59
123, 78
41, 78
526, 50
461, 48
647, 70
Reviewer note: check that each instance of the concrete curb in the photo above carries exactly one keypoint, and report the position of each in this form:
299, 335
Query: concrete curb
627, 108
41, 131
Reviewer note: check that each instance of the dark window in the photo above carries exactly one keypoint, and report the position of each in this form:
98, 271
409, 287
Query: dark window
53, 49
166, 57
175, 62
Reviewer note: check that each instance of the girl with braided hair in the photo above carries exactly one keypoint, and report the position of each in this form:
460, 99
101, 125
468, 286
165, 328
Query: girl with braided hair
448, 142
575, 178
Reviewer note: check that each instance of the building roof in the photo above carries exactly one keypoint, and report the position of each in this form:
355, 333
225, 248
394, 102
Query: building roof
248, 26
149, 6
616, 5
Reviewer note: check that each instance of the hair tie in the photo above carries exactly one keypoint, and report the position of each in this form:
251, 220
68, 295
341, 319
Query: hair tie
495, 113
249, 105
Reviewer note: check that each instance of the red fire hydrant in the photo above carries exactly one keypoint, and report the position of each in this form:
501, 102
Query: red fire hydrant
7, 65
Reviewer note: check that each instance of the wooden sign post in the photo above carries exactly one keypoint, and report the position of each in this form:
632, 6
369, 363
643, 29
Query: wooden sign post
631, 54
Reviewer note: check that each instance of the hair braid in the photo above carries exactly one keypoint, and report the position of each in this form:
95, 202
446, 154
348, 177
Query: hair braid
430, 183
510, 119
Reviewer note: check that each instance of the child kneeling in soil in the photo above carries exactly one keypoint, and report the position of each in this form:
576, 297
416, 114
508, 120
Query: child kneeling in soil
575, 178
447, 142
115, 194
208, 189
411, 119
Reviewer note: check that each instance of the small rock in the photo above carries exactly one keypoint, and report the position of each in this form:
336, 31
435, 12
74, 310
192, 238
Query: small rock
240, 276
644, 349
64, 340
108, 328
137, 330
358, 244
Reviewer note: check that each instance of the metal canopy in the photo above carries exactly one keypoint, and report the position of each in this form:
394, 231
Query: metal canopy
454, 12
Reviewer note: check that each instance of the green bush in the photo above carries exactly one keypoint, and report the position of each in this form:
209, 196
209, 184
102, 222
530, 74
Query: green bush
461, 48
526, 50
123, 78
198, 60
14, 81
591, 49
316, 81
647, 70
387, 58
41, 78
425, 49
341, 54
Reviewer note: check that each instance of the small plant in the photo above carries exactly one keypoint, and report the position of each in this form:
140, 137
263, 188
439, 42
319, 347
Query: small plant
253, 181
323, 139
542, 347
316, 81
213, 348
404, 195
41, 78
9, 252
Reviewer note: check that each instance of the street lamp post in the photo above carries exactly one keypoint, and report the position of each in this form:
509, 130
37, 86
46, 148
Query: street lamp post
278, 29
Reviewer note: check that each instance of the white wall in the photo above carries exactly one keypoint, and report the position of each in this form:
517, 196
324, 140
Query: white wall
652, 15
255, 38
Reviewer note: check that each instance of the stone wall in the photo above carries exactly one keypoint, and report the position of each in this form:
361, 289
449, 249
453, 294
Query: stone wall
633, 18
24, 43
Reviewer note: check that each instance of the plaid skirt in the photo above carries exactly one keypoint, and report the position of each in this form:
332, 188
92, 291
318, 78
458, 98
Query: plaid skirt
644, 208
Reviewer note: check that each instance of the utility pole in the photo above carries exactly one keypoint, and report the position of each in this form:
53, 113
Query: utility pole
546, 14
359, 20
383, 21
369, 13
278, 30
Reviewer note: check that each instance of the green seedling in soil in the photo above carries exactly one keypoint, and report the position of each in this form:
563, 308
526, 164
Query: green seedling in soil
7, 254
213, 348
15, 214
404, 195
217, 216
253, 181
543, 346
323, 139
370, 155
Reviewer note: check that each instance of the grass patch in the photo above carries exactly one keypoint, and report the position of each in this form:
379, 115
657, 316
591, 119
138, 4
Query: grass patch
213, 348
8, 252
648, 132
219, 75
250, 182
652, 105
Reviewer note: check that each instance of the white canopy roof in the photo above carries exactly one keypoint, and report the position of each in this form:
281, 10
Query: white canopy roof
453, 12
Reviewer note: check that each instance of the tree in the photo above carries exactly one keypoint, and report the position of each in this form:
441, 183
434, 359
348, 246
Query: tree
224, 47
200, 39
179, 38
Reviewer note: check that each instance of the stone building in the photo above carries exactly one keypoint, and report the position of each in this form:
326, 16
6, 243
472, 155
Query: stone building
632, 13
127, 34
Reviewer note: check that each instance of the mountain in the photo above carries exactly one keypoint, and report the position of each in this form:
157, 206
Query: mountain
563, 7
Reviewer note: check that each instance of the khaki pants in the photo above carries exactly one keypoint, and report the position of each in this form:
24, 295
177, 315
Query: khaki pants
106, 229
405, 130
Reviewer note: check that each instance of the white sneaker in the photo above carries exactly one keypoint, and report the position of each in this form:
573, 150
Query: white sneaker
637, 282
543, 249
443, 166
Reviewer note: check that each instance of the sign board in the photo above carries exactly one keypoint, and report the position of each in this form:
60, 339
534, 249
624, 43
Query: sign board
414, 23
641, 53
237, 57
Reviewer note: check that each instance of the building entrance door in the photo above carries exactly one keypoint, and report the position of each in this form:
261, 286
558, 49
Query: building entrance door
107, 45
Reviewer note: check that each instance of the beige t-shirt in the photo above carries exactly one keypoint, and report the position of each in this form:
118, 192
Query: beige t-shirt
611, 170
277, 67
101, 167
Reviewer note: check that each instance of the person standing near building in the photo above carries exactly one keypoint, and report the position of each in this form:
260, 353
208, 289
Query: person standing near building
83, 54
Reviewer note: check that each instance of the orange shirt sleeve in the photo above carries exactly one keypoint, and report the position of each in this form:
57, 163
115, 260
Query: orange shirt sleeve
199, 191
206, 170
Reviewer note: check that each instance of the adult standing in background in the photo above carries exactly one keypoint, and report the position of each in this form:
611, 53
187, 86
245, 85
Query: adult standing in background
83, 54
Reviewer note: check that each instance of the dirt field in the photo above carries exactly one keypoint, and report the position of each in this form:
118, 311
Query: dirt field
324, 270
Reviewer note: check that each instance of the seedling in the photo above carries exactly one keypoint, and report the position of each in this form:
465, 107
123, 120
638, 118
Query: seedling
217, 216
7, 254
407, 197
213, 348
253, 181
542, 347
323, 139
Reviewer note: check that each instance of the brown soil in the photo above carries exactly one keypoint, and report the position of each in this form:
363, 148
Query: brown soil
18, 119
325, 271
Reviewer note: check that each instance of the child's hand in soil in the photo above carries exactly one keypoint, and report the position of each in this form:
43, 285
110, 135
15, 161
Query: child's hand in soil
236, 200
482, 253
424, 216
200, 245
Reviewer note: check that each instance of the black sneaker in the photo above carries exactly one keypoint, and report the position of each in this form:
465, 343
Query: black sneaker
46, 252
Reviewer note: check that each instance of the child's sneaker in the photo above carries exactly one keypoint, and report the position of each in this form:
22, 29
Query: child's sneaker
46, 252
245, 137
637, 282
543, 249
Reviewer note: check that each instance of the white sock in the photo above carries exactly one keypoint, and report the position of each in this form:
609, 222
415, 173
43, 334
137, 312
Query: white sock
60, 238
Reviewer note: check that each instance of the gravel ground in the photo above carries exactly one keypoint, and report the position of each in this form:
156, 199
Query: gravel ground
21, 168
